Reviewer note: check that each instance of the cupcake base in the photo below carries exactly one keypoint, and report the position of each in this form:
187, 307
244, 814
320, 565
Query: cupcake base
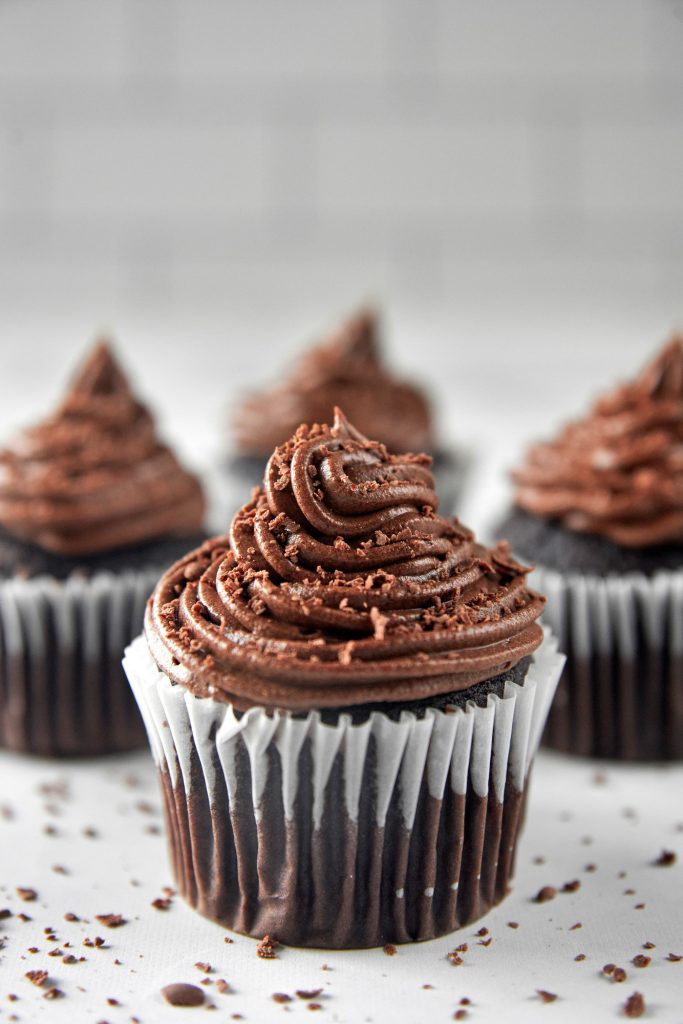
64, 624
356, 884
347, 835
621, 692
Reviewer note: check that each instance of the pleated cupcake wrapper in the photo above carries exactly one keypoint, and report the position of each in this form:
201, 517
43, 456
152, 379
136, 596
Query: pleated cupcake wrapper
343, 835
621, 694
62, 690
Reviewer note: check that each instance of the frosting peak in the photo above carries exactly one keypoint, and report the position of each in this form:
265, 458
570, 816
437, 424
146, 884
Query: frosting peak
93, 476
347, 370
339, 584
617, 473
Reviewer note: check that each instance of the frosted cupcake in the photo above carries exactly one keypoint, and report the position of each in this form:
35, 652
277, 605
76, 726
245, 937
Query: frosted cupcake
347, 370
600, 511
343, 697
92, 507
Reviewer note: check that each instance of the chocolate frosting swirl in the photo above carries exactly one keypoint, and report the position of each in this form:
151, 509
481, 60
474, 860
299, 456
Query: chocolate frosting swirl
93, 476
618, 473
347, 370
338, 585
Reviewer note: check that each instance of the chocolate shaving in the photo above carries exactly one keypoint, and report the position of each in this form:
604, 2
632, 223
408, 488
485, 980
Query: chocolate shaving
111, 920
634, 1005
266, 948
548, 892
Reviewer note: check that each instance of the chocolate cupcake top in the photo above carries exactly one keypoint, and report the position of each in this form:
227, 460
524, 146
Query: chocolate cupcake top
338, 585
347, 370
93, 476
618, 473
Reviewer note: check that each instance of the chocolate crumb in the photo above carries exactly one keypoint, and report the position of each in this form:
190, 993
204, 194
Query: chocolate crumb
314, 1006
111, 920
182, 994
546, 997
485, 942
71, 917
266, 948
572, 886
203, 966
5, 913
649, 945
69, 959
640, 960
53, 993
161, 903
580, 956
665, 859
639, 906
675, 958
303, 993
634, 1005
574, 927
27, 895
222, 986
37, 978
548, 892
483, 931
454, 958
590, 868
281, 997
113, 1002
513, 924
460, 1015
390, 949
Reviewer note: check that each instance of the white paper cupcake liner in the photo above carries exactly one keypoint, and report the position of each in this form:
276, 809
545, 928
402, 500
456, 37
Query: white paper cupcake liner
344, 835
621, 694
62, 691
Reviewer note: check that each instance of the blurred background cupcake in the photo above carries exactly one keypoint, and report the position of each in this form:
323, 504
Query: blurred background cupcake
92, 507
346, 369
599, 510
364, 687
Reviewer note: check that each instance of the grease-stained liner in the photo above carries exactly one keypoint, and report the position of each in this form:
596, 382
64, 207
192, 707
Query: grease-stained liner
62, 690
621, 692
345, 835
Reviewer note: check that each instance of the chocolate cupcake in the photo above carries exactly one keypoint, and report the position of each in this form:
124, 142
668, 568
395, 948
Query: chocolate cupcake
346, 370
600, 511
92, 508
343, 697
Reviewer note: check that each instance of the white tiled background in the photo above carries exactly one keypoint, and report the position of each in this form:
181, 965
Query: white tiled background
222, 177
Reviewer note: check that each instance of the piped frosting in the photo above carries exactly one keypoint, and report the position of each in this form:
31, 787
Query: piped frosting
617, 473
93, 476
340, 584
346, 370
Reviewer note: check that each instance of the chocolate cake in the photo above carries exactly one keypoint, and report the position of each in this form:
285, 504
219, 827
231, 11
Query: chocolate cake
340, 695
92, 506
600, 511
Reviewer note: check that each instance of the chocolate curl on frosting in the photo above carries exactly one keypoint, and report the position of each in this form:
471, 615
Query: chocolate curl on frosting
339, 584
94, 476
618, 473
